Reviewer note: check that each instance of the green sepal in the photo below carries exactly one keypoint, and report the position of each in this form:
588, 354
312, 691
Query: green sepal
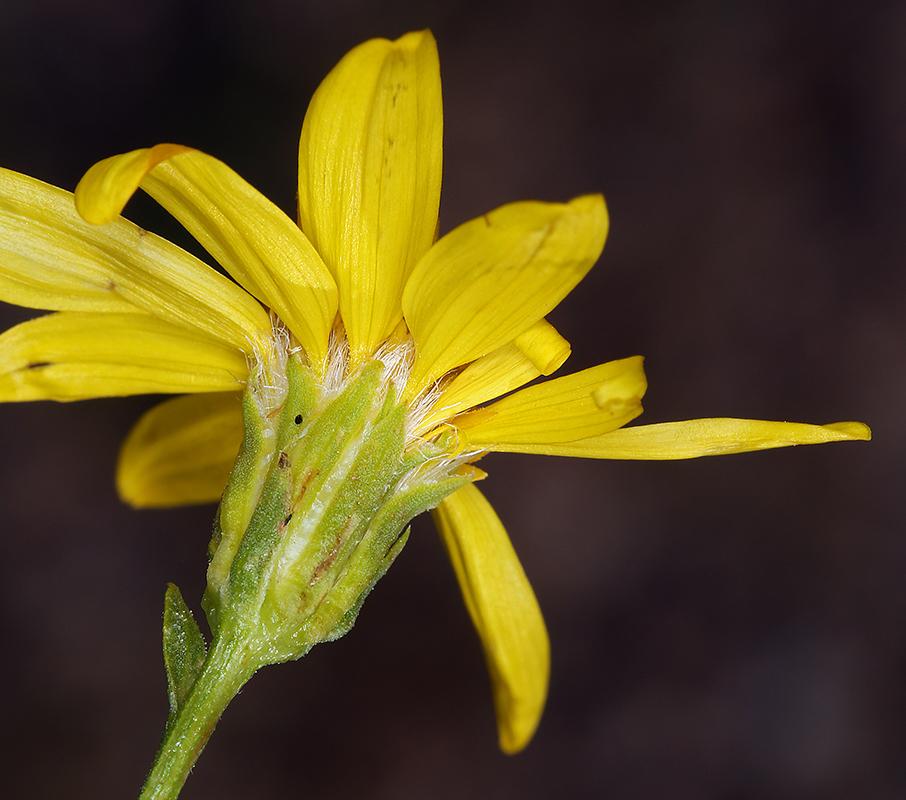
253, 475
329, 435
243, 490
325, 442
345, 624
405, 506
245, 483
184, 648
371, 559
347, 515
295, 413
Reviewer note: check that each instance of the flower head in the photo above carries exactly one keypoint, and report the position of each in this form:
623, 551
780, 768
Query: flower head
359, 285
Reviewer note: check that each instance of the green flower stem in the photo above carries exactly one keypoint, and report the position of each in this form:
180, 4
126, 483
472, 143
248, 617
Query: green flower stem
228, 666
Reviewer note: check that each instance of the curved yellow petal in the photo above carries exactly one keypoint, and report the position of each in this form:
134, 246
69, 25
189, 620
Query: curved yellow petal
544, 347
370, 159
503, 609
74, 355
489, 280
181, 451
108, 185
50, 258
700, 437
587, 403
252, 239
540, 350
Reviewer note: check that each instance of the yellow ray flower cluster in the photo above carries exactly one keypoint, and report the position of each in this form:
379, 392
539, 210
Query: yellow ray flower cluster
360, 276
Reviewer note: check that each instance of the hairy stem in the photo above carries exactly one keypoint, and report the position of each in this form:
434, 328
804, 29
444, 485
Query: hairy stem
226, 669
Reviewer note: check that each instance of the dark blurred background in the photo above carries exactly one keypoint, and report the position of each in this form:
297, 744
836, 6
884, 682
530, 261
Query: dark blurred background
721, 628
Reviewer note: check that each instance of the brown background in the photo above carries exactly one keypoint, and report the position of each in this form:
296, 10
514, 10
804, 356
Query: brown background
722, 628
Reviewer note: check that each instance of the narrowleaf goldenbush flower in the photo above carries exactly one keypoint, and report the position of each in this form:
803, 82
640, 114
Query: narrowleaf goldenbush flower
358, 366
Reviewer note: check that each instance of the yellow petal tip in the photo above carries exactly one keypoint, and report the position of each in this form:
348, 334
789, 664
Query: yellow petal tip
514, 738
852, 430
105, 189
414, 39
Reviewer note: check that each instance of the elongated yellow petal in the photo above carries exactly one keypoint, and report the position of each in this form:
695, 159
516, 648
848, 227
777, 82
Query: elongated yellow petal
74, 355
503, 609
490, 376
181, 451
507, 368
489, 280
700, 437
587, 403
52, 259
369, 177
245, 232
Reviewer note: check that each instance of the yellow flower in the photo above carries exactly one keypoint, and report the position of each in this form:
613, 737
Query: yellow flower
361, 275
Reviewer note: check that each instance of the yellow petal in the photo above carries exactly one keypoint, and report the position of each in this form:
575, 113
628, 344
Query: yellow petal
246, 233
181, 451
587, 403
701, 437
52, 259
369, 177
503, 609
489, 280
544, 347
539, 350
106, 188
74, 355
